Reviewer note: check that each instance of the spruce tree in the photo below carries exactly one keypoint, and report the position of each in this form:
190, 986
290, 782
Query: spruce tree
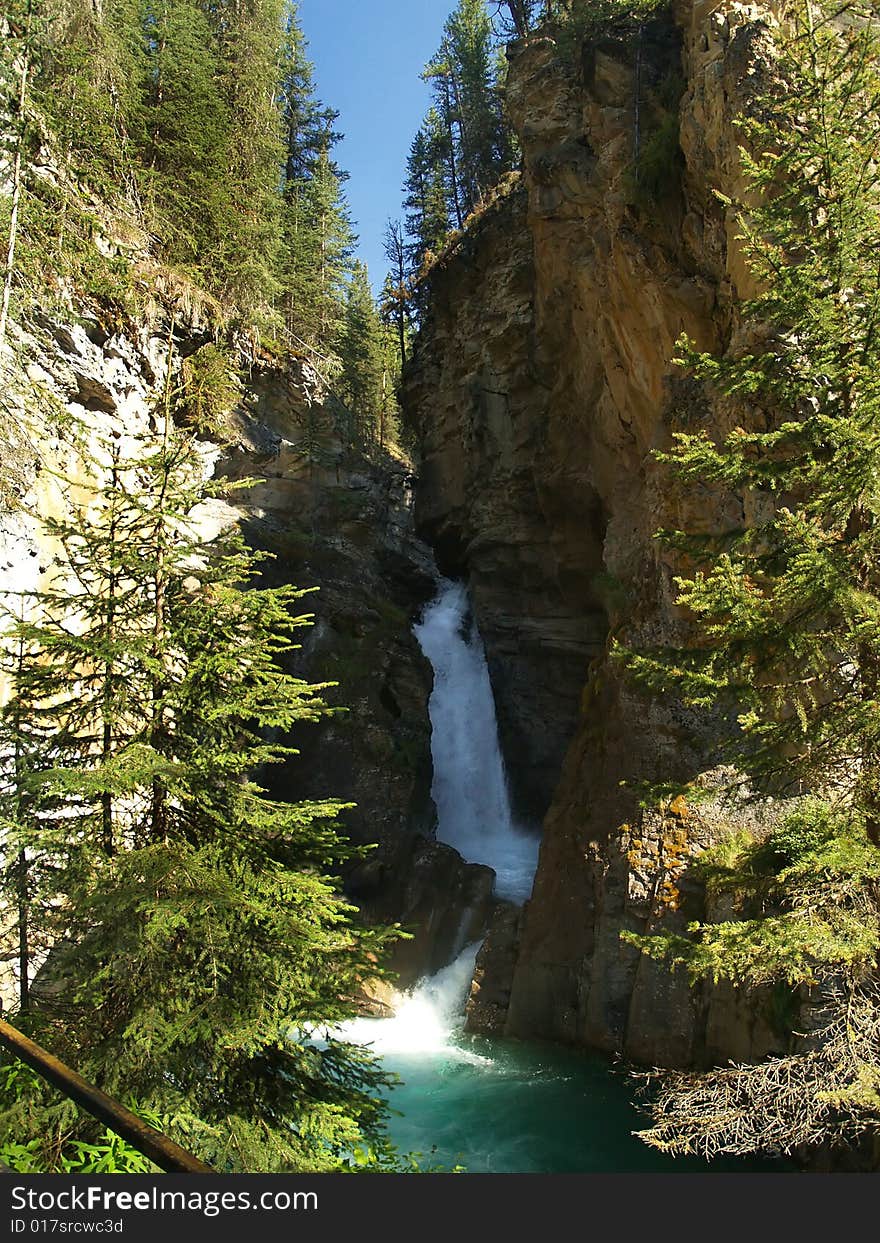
786, 606
195, 950
445, 141
363, 365
472, 72
319, 243
427, 218
249, 38
464, 145
182, 132
396, 293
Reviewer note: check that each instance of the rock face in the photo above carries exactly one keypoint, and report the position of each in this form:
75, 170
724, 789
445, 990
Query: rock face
529, 538
542, 383
336, 521
343, 524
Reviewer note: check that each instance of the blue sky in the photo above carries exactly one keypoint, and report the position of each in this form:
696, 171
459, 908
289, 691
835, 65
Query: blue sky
368, 55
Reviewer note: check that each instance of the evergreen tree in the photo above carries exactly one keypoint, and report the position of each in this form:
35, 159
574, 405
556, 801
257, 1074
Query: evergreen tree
201, 122
396, 293
788, 604
92, 70
390, 429
193, 952
363, 363
786, 607
521, 15
472, 72
183, 131
317, 236
427, 219
464, 146
24, 747
249, 37
308, 124
319, 242
16, 67
442, 134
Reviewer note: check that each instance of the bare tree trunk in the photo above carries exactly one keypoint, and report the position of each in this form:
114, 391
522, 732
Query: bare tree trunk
473, 191
637, 107
16, 177
24, 951
159, 801
453, 165
107, 705
22, 870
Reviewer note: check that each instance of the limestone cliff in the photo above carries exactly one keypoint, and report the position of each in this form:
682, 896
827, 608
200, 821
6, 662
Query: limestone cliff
542, 384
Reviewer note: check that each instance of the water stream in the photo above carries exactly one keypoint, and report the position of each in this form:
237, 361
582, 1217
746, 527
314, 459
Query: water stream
488, 1105
470, 786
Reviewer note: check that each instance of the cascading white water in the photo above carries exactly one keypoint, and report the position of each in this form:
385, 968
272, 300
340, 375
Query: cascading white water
473, 815
470, 786
425, 1019
490, 1106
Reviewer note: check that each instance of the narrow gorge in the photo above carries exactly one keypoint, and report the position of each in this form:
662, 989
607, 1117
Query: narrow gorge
542, 383
462, 482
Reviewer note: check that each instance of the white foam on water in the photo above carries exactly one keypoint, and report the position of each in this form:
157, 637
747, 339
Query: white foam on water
426, 1019
473, 816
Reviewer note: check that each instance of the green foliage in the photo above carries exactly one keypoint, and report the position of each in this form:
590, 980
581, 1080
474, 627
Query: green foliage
318, 247
197, 935
363, 360
427, 219
464, 146
787, 608
659, 163
579, 20
806, 895
196, 129
210, 389
105, 1153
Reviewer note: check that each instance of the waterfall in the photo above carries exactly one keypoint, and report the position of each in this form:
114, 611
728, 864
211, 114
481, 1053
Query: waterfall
424, 1020
470, 785
490, 1106
473, 816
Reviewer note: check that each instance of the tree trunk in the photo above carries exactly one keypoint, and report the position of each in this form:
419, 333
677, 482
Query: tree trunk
107, 704
453, 166
16, 177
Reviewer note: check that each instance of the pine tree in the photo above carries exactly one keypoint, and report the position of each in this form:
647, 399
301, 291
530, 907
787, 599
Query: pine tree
319, 242
308, 124
183, 132
16, 66
464, 145
444, 141
787, 605
390, 428
469, 58
522, 15
248, 38
24, 747
427, 219
396, 293
91, 73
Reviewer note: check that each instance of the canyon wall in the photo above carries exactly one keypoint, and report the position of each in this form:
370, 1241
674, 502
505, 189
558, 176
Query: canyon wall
335, 519
542, 384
